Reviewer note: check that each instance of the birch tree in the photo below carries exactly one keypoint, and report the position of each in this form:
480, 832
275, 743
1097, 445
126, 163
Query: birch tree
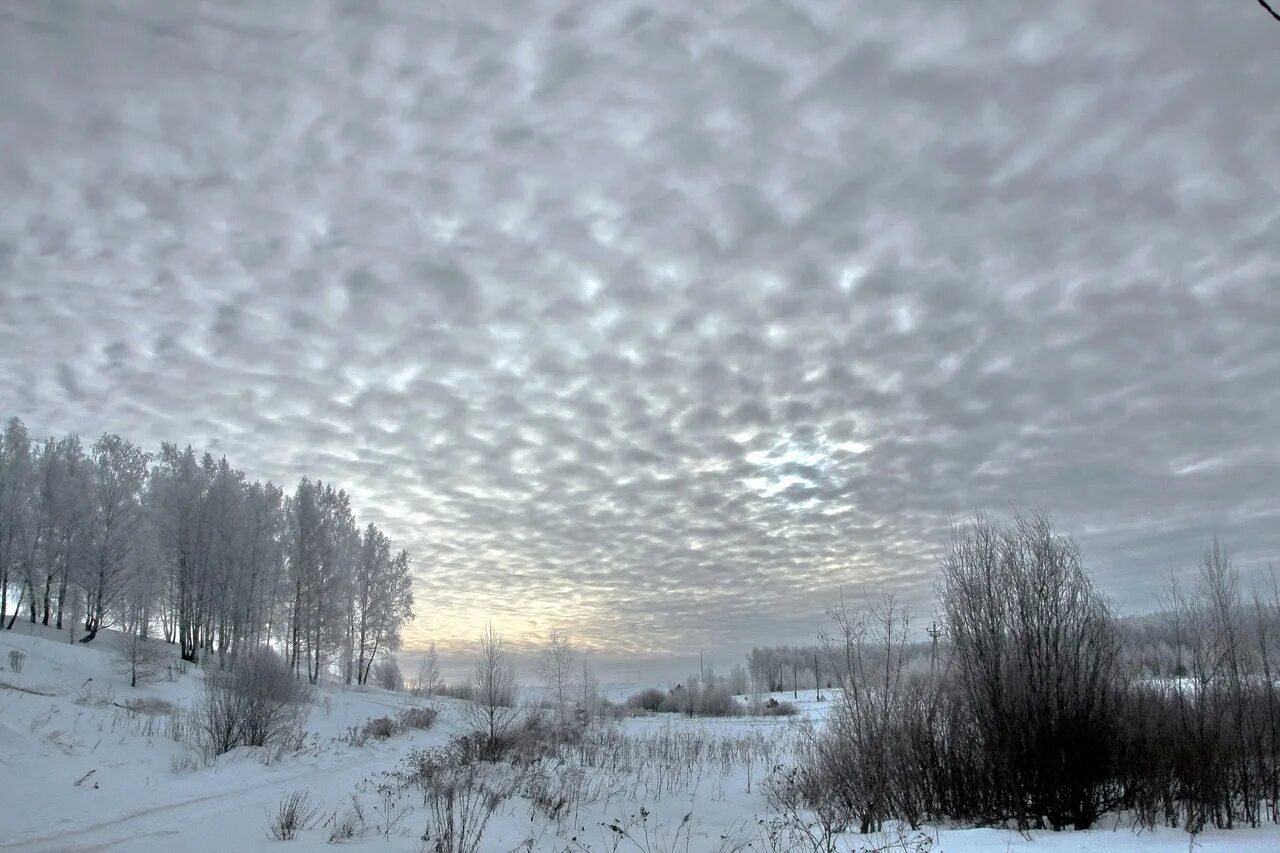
119, 476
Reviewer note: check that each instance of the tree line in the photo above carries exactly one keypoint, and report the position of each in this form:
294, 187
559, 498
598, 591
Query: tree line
183, 545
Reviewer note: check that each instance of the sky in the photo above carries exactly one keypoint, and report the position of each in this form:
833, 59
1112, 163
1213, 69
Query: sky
665, 321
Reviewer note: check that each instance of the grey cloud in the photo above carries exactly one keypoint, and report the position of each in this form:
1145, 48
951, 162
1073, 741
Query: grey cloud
685, 315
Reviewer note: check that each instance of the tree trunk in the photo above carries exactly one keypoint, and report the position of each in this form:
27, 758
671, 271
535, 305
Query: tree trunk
16, 608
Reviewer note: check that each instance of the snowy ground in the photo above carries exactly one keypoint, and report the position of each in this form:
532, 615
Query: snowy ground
80, 771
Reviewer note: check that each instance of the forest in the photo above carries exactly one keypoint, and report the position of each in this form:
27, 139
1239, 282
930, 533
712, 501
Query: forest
183, 545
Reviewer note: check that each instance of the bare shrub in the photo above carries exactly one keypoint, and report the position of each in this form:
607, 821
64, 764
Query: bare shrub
151, 705
295, 814
463, 690
187, 761
380, 728
459, 801
17, 658
348, 825
258, 703
418, 718
1021, 724
1036, 654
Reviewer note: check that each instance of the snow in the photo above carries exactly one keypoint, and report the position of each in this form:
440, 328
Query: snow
63, 722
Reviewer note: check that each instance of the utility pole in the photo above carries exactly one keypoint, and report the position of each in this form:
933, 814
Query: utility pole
702, 669
933, 632
816, 679
795, 679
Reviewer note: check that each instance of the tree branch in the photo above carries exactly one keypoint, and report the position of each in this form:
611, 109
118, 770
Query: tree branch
1265, 5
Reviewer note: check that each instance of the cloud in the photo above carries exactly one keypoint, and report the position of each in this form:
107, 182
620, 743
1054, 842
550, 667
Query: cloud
658, 321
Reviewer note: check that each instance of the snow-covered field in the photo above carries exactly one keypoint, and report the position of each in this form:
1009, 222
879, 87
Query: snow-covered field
88, 763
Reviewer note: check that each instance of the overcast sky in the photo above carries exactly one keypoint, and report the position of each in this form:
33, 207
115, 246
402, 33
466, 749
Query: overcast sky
659, 322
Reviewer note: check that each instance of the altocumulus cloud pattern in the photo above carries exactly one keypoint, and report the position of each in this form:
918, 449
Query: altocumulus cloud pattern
665, 317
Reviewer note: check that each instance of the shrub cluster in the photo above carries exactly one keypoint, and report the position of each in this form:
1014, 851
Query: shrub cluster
1030, 717
259, 702
693, 699
295, 813
773, 708
456, 690
382, 728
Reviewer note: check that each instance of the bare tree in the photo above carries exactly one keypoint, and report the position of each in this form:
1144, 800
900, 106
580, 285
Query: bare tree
428, 673
493, 709
1037, 653
139, 658
557, 668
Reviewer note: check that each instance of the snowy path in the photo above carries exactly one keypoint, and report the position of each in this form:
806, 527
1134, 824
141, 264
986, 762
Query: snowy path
158, 822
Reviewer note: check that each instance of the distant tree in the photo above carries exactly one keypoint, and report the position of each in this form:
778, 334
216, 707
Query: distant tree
428, 673
558, 666
738, 680
386, 674
590, 694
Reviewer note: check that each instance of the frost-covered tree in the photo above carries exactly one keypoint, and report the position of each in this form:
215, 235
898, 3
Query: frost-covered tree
185, 544
559, 668
62, 526
16, 481
428, 673
177, 498
382, 600
119, 476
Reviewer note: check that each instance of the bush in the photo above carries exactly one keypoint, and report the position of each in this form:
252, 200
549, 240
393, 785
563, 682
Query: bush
457, 690
649, 699
350, 824
1020, 726
774, 708
386, 674
418, 718
380, 728
16, 659
714, 700
258, 703
1037, 658
294, 814
459, 803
